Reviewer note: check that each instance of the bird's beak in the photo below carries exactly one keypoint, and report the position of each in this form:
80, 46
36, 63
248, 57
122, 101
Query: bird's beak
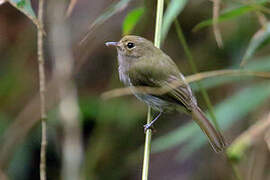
115, 44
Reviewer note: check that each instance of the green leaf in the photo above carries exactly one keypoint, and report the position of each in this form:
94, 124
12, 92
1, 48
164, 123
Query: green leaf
26, 8
132, 19
232, 13
174, 8
228, 112
260, 39
237, 151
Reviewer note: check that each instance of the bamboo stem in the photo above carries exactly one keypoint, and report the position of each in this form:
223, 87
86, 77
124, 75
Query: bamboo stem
147, 148
148, 135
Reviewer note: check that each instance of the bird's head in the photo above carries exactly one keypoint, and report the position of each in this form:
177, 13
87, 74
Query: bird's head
133, 46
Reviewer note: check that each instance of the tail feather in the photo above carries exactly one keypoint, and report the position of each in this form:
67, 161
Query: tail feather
214, 136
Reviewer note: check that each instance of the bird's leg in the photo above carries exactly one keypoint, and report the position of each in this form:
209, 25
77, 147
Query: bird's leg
149, 125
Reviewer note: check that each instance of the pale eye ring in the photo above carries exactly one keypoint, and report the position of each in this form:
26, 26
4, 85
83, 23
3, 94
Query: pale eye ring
130, 45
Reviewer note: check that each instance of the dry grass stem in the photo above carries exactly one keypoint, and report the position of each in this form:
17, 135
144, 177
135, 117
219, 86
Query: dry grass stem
42, 89
71, 7
189, 79
216, 7
35, 20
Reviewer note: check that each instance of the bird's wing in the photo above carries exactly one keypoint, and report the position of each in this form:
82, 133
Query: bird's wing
157, 75
180, 90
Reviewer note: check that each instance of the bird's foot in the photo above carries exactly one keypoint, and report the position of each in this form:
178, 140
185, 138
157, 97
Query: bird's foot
149, 126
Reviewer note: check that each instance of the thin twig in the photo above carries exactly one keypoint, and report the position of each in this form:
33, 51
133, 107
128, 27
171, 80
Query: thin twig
35, 20
71, 6
147, 149
216, 6
189, 79
42, 89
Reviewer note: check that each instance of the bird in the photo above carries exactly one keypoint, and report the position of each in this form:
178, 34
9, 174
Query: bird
140, 63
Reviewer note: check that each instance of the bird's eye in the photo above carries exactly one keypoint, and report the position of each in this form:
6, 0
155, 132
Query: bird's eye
130, 45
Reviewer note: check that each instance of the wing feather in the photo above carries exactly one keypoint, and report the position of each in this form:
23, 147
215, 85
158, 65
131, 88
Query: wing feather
154, 75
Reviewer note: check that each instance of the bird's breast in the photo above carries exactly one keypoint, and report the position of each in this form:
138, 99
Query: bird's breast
123, 76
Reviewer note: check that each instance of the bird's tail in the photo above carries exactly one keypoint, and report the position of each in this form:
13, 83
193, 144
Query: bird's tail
214, 136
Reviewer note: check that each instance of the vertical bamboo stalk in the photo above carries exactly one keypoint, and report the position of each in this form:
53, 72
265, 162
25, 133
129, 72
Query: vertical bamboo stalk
148, 135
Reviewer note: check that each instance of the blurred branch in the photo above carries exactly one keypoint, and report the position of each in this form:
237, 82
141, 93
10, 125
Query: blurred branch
216, 7
72, 149
42, 89
71, 6
267, 138
237, 149
189, 79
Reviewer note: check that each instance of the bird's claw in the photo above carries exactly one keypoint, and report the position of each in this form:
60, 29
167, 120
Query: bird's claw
148, 126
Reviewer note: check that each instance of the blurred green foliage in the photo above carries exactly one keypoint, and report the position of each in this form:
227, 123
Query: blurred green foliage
131, 20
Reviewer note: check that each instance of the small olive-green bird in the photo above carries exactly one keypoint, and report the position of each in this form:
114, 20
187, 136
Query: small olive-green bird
143, 64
